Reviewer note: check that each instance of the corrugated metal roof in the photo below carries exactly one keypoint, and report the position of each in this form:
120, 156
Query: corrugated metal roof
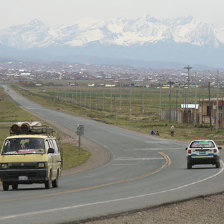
189, 106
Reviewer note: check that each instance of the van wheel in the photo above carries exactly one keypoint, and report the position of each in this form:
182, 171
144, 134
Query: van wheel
217, 165
55, 182
14, 186
48, 182
5, 186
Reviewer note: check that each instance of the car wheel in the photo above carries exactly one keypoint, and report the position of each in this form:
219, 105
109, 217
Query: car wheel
189, 165
5, 186
217, 165
55, 182
48, 182
14, 186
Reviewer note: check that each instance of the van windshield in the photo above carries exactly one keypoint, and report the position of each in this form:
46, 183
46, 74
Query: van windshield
18, 146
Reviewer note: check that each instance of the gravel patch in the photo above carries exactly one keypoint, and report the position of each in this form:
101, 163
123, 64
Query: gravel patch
202, 210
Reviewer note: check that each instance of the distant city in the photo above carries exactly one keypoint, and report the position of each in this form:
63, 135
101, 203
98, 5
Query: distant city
105, 75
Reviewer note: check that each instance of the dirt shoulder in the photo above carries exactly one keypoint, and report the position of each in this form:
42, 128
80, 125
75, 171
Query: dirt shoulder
99, 156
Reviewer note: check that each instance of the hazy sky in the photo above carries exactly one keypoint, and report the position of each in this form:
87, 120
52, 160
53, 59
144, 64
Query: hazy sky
58, 12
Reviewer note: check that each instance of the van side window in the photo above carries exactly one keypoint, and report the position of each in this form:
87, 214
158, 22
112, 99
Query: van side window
49, 144
55, 146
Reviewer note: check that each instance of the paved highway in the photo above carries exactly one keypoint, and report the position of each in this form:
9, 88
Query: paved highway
143, 171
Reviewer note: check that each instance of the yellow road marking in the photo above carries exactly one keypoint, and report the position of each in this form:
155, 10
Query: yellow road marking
166, 164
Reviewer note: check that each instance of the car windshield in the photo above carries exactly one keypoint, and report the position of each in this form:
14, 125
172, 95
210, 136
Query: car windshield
202, 144
18, 146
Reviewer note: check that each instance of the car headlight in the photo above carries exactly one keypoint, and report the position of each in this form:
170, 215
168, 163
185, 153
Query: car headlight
41, 165
4, 165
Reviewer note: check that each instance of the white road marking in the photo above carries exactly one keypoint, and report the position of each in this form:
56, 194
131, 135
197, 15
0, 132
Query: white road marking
123, 164
131, 159
109, 201
32, 108
160, 141
155, 149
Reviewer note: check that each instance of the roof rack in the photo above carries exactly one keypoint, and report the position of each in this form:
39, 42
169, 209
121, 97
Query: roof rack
20, 128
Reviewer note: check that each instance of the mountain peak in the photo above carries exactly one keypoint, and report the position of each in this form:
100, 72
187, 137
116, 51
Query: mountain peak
36, 22
120, 31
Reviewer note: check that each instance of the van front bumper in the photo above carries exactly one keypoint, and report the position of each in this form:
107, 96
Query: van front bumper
24, 176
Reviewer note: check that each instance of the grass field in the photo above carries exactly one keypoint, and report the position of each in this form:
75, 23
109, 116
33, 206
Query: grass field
136, 101
10, 112
124, 106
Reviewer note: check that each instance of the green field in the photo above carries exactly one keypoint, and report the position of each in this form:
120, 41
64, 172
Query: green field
10, 112
123, 106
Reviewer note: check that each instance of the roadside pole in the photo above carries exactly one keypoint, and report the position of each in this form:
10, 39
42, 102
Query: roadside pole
217, 102
80, 132
210, 106
170, 84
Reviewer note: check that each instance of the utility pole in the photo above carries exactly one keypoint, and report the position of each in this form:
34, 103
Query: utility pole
217, 102
176, 103
115, 105
76, 95
65, 97
184, 96
160, 101
96, 100
120, 99
130, 99
188, 75
90, 98
143, 100
210, 107
85, 98
111, 99
80, 97
170, 83
195, 104
103, 99
188, 78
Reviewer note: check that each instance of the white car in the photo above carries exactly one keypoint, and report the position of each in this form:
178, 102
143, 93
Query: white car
203, 152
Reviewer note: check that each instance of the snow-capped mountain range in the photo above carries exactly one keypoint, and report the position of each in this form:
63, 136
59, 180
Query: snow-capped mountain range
141, 39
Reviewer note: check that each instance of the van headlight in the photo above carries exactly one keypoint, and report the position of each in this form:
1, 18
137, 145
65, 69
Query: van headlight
41, 165
4, 165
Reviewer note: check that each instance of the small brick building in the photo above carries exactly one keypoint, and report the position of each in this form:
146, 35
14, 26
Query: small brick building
207, 107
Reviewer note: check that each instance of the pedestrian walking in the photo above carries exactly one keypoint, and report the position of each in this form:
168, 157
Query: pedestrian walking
172, 129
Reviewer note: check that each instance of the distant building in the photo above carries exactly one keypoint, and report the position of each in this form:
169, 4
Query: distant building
109, 85
187, 113
208, 108
25, 74
38, 84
